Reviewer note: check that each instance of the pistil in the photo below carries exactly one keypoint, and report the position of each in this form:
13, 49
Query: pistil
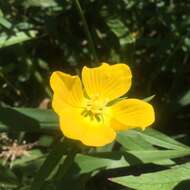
94, 110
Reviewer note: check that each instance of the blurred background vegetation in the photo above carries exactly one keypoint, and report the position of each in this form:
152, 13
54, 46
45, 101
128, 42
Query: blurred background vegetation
38, 37
152, 36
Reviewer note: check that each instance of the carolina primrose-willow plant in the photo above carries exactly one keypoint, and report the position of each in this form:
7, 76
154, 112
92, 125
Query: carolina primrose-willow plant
88, 111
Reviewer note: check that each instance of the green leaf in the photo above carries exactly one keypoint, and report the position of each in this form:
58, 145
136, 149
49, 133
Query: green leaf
121, 31
148, 156
27, 119
185, 99
40, 3
45, 141
4, 22
111, 160
131, 140
89, 163
29, 164
8, 178
159, 139
148, 99
19, 37
25, 160
66, 165
48, 166
162, 180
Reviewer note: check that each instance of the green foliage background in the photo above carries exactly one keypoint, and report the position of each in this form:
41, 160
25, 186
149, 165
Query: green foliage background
40, 36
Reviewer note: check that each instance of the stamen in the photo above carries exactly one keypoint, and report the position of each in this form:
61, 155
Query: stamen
94, 110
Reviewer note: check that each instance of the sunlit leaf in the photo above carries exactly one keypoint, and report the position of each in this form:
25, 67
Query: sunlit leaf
148, 99
131, 140
178, 177
121, 31
40, 3
185, 99
19, 37
159, 139
110, 160
4, 22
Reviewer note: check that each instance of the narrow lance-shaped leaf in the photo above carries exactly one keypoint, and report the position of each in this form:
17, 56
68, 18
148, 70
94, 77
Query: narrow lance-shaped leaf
159, 139
4, 22
185, 99
111, 160
19, 37
27, 119
48, 166
177, 177
40, 3
121, 31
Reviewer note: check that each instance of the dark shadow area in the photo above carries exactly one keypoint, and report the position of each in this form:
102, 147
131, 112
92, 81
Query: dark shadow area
184, 185
131, 159
13, 120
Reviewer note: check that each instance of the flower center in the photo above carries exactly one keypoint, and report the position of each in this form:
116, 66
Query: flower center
94, 109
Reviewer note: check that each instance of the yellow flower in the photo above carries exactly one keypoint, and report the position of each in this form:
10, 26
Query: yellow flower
88, 113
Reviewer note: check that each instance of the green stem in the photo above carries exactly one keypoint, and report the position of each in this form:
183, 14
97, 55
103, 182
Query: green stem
87, 31
67, 164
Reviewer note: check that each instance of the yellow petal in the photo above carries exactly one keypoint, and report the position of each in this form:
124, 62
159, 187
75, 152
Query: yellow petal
67, 91
91, 133
107, 82
132, 113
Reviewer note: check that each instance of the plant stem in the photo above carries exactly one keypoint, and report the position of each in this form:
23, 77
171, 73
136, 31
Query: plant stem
87, 31
67, 164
